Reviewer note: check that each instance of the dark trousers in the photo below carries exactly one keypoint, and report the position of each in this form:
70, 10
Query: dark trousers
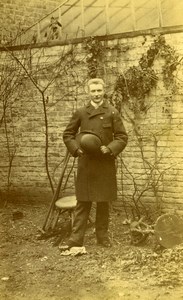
82, 212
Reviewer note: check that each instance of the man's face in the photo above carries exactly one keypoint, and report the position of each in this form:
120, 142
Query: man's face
96, 92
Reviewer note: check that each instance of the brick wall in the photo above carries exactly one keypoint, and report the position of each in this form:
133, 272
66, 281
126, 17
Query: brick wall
16, 15
150, 167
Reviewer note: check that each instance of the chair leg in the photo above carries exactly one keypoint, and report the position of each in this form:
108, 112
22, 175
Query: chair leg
72, 216
55, 219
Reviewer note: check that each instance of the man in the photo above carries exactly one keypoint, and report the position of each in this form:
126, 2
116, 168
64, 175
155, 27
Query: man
101, 138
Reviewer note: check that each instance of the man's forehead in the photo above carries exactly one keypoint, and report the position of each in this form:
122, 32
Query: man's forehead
96, 86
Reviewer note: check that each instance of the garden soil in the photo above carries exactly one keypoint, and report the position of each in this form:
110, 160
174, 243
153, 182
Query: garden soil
32, 267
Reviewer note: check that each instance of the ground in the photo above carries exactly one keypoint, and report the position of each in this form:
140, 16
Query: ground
32, 268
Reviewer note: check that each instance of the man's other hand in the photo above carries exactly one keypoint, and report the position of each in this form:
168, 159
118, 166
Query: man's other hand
105, 149
79, 152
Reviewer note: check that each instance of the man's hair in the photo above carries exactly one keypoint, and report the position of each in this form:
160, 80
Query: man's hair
95, 81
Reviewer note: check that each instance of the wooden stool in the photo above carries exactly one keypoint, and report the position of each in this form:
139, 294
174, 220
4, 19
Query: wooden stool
67, 203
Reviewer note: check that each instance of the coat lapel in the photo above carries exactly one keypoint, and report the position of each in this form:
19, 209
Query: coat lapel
94, 112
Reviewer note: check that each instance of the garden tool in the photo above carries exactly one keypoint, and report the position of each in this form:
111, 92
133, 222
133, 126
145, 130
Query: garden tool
51, 209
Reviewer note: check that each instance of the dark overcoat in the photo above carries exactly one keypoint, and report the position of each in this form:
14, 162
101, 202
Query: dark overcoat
96, 174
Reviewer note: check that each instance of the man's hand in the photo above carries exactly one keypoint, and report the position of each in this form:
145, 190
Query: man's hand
80, 152
105, 149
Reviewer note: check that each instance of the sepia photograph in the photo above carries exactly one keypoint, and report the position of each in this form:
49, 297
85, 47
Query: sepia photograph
91, 150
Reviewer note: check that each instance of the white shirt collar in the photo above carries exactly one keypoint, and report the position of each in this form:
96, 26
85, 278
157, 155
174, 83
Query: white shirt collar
96, 105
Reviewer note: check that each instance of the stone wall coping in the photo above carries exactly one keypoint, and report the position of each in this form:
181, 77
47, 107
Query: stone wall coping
130, 34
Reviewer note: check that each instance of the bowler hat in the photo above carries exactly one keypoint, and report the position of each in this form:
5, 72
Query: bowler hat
90, 142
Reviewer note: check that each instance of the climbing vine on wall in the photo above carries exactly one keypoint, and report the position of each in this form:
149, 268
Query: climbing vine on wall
171, 62
136, 83
94, 56
133, 86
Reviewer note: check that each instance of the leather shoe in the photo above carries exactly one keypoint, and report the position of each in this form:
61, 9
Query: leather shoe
104, 243
69, 245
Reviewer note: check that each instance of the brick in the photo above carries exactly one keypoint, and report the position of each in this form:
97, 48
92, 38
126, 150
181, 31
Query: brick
28, 169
